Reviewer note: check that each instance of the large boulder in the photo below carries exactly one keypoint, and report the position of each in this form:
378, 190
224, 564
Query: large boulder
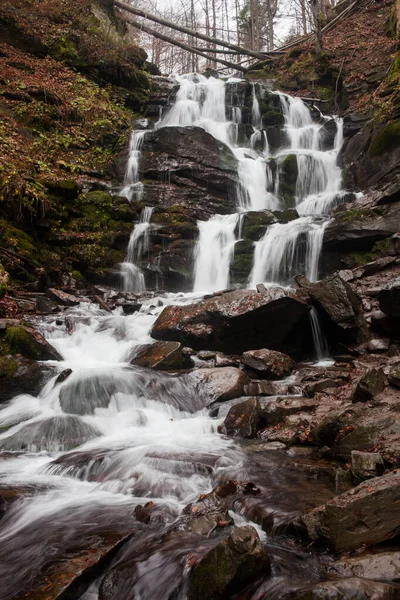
340, 307
229, 567
236, 321
366, 515
19, 339
271, 364
162, 356
389, 299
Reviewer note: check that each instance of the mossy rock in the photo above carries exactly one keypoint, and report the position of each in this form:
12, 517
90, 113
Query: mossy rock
242, 261
386, 140
255, 223
66, 189
284, 216
8, 366
29, 343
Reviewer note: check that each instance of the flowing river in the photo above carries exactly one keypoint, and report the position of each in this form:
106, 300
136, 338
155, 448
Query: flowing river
97, 445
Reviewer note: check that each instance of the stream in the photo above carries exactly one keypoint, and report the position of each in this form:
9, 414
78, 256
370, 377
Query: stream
87, 456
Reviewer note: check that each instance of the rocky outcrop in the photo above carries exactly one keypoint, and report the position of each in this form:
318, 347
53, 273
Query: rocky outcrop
366, 515
197, 167
359, 228
235, 321
340, 308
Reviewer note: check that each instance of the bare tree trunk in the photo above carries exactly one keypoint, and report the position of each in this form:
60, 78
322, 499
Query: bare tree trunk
215, 41
317, 27
303, 16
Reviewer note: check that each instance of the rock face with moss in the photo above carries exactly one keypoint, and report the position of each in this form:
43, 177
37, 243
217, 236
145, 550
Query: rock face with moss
71, 80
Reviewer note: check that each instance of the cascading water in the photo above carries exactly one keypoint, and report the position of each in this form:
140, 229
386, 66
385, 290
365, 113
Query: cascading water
214, 252
286, 248
131, 273
93, 448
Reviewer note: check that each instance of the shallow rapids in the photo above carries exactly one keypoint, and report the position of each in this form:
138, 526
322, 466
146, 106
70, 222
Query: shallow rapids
111, 437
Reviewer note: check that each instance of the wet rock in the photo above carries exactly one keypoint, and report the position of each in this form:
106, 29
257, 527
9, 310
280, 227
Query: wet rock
337, 302
367, 435
218, 384
276, 411
45, 306
162, 356
234, 322
63, 376
243, 419
366, 464
197, 164
349, 589
271, 364
254, 224
19, 375
368, 514
63, 298
389, 299
261, 388
380, 566
369, 385
30, 343
52, 435
229, 567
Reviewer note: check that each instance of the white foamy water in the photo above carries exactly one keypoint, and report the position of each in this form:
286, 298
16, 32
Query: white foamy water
285, 248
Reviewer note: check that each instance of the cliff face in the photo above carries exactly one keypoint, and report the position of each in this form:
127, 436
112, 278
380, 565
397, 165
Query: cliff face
71, 83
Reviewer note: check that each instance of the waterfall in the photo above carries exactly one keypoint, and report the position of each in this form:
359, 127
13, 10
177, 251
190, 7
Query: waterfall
138, 247
214, 252
133, 188
319, 339
286, 248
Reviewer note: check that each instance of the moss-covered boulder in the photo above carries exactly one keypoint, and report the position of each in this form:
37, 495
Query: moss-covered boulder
30, 343
19, 375
254, 224
242, 262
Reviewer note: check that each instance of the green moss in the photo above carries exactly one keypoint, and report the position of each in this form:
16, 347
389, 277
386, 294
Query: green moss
386, 140
22, 342
8, 366
242, 262
379, 250
353, 214
254, 224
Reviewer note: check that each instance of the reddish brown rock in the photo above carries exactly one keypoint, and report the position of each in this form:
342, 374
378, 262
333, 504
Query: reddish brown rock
271, 364
234, 322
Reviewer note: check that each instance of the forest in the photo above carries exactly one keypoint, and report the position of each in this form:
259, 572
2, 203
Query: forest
199, 299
